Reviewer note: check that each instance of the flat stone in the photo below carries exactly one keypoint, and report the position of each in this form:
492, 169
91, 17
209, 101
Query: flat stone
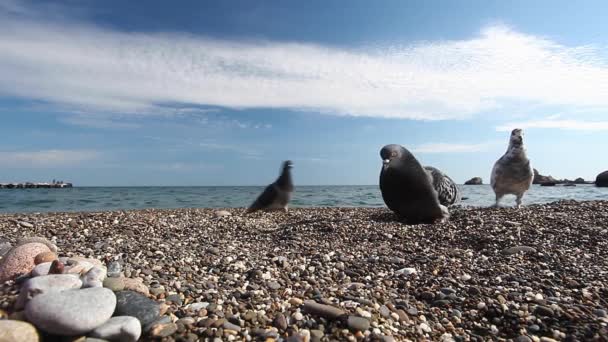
119, 328
198, 306
356, 323
231, 326
136, 285
222, 213
174, 298
20, 260
71, 312
94, 277
273, 285
157, 290
57, 267
25, 224
41, 269
130, 303
517, 249
37, 239
17, 331
544, 311
280, 322
326, 311
316, 335
114, 284
45, 284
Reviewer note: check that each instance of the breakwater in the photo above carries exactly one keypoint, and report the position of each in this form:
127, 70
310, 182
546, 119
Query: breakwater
30, 185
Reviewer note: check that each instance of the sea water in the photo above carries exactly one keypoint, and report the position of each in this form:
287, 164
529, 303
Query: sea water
118, 198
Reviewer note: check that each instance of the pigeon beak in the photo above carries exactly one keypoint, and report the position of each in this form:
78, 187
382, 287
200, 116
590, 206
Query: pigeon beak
386, 161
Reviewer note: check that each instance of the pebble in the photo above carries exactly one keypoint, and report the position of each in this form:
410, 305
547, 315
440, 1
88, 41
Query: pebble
600, 312
157, 290
198, 306
57, 267
544, 311
17, 331
130, 303
174, 298
298, 316
45, 257
114, 284
94, 277
222, 213
114, 269
230, 326
71, 312
326, 311
41, 269
517, 249
163, 330
20, 260
45, 284
384, 311
280, 322
316, 335
273, 285
357, 323
119, 328
136, 285
296, 301
26, 224
522, 338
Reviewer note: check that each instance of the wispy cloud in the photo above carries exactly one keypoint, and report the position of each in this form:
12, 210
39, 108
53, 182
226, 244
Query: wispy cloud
83, 65
565, 124
453, 148
46, 158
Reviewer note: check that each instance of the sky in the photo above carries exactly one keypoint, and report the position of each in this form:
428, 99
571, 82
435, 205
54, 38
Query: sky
114, 93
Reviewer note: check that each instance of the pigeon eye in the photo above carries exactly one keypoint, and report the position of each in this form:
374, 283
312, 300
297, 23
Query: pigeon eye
394, 154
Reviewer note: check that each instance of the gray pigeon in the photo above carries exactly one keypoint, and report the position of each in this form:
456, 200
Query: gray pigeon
512, 173
447, 191
276, 195
408, 188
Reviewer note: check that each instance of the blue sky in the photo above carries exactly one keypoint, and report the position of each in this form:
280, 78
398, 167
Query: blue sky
219, 92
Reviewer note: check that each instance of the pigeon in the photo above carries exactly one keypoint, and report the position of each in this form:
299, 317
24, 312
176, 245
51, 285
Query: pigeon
408, 189
512, 173
277, 195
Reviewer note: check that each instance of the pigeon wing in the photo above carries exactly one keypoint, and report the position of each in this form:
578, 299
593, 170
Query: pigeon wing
266, 198
447, 191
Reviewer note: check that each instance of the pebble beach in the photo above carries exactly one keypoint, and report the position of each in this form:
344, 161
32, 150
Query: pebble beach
539, 273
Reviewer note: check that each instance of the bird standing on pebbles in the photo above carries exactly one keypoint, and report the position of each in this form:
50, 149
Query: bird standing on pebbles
512, 173
409, 190
277, 195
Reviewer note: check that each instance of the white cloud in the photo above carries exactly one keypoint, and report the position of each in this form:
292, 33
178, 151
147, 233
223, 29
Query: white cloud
81, 65
453, 148
45, 158
577, 125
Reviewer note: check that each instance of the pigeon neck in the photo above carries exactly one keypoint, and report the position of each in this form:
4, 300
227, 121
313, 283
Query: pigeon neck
284, 180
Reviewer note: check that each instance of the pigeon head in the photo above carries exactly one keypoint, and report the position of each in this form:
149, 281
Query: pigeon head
517, 138
392, 152
288, 164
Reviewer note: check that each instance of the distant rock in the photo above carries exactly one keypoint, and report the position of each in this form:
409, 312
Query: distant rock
474, 181
579, 180
602, 179
540, 179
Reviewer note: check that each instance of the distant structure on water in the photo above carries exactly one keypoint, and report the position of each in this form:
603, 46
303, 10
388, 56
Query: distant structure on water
29, 185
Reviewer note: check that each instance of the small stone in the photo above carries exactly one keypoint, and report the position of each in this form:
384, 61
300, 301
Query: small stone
230, 326
600, 312
543, 311
384, 311
402, 316
17, 331
45, 257
20, 260
174, 298
157, 290
94, 277
517, 249
26, 224
198, 306
163, 330
357, 323
407, 271
4, 248
273, 285
114, 269
296, 301
186, 321
114, 284
465, 277
298, 316
316, 335
41, 269
57, 267
119, 328
45, 284
71, 312
522, 338
130, 303
136, 285
222, 213
280, 322
326, 311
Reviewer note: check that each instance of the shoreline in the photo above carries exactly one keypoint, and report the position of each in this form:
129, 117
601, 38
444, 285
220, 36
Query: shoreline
463, 279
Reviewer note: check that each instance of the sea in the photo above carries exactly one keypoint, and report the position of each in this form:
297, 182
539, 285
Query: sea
88, 199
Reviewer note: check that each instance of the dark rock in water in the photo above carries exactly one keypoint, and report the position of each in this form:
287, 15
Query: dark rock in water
540, 179
130, 303
474, 181
602, 179
548, 184
579, 180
